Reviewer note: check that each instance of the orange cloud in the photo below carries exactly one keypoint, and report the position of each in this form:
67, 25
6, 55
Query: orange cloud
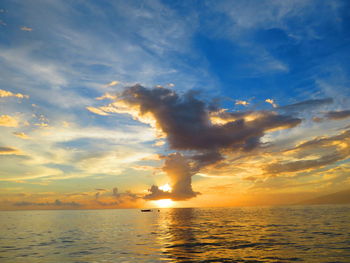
272, 102
5, 93
8, 121
25, 28
242, 102
112, 83
21, 135
97, 111
8, 151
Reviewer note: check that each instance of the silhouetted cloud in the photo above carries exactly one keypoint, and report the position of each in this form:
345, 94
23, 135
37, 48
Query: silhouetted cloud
185, 120
338, 115
189, 124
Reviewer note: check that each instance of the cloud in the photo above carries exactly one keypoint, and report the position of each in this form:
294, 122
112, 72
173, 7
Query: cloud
306, 105
8, 151
122, 196
186, 123
328, 150
5, 93
333, 115
55, 203
272, 102
115, 198
106, 96
317, 119
21, 135
242, 102
288, 167
97, 111
25, 28
185, 120
8, 121
159, 143
112, 83
337, 115
180, 172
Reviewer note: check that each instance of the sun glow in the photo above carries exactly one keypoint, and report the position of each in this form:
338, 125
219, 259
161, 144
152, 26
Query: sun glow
163, 203
165, 188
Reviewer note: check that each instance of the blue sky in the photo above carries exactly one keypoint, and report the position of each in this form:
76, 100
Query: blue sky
62, 55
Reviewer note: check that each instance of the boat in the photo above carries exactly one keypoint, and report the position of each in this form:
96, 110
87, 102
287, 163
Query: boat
146, 210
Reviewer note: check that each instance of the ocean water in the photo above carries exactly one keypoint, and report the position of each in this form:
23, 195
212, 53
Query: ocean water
269, 234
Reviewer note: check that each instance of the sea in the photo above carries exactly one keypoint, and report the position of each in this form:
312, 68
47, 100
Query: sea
252, 234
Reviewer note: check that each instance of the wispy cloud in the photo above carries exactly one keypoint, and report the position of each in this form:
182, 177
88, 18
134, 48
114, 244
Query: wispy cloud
97, 111
112, 83
338, 115
26, 28
321, 152
56, 203
306, 105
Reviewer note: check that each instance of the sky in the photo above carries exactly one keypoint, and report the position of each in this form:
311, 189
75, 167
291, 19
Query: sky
130, 104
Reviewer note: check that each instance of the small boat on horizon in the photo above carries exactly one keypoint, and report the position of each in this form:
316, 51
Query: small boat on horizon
148, 210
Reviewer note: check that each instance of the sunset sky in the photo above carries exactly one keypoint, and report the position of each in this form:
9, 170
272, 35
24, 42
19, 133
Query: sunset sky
122, 104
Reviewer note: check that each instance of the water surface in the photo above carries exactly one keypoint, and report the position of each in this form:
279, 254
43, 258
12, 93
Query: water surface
277, 234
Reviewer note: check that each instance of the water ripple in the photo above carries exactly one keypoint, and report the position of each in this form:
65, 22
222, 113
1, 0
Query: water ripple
178, 235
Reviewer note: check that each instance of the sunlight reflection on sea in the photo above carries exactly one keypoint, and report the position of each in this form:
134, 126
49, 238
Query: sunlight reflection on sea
265, 234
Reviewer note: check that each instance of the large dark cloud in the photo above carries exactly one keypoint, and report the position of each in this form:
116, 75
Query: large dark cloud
186, 122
